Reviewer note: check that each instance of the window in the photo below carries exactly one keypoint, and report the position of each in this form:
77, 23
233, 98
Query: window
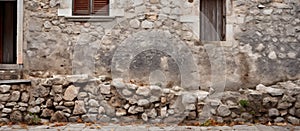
213, 20
8, 32
91, 7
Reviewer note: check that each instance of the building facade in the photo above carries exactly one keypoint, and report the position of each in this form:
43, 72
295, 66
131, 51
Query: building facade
198, 44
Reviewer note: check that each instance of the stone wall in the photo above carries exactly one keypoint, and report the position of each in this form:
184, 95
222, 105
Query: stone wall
260, 47
77, 98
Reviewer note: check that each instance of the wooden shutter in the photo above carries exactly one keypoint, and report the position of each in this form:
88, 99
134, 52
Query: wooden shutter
101, 7
212, 20
1, 30
81, 7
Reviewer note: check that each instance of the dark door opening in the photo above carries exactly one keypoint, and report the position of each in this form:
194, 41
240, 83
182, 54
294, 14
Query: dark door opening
8, 32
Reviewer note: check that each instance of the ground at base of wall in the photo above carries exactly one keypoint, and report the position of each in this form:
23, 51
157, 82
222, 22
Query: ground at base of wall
112, 127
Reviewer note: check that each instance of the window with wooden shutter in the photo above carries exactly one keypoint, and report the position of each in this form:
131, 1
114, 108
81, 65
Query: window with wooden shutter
90, 7
100, 7
81, 7
213, 20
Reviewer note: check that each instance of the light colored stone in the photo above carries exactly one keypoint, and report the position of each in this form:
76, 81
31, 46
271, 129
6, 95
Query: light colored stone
163, 112
293, 120
5, 88
272, 55
132, 110
126, 92
152, 113
155, 90
105, 89
34, 110
82, 95
71, 103
154, 99
134, 23
57, 88
6, 110
267, 11
101, 110
147, 24
143, 91
223, 111
71, 92
270, 90
118, 83
93, 103
39, 101
47, 25
201, 95
24, 97
121, 112
292, 55
273, 112
145, 117
79, 108
4, 97
143, 102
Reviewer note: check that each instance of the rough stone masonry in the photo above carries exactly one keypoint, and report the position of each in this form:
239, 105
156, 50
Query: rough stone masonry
70, 99
261, 49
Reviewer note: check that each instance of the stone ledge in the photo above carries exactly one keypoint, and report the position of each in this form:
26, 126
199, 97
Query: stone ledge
10, 66
91, 18
14, 81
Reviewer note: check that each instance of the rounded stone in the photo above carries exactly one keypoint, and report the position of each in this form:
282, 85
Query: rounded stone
16, 116
273, 112
143, 91
126, 92
143, 102
134, 23
15, 96
93, 103
118, 83
147, 24
58, 117
4, 88
223, 111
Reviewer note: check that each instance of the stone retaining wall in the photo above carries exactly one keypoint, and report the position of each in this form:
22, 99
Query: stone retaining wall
104, 100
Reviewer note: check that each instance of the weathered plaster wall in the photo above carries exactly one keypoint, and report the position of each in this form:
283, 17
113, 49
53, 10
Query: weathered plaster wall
261, 47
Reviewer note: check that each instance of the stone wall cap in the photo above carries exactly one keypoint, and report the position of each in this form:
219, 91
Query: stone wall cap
14, 81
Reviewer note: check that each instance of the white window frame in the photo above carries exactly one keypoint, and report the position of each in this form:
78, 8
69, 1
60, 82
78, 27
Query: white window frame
66, 7
20, 14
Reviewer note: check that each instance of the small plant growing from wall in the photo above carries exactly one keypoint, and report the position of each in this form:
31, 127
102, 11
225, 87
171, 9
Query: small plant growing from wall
35, 120
244, 103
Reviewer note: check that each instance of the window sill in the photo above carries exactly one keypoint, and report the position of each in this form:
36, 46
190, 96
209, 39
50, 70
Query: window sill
91, 18
10, 66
